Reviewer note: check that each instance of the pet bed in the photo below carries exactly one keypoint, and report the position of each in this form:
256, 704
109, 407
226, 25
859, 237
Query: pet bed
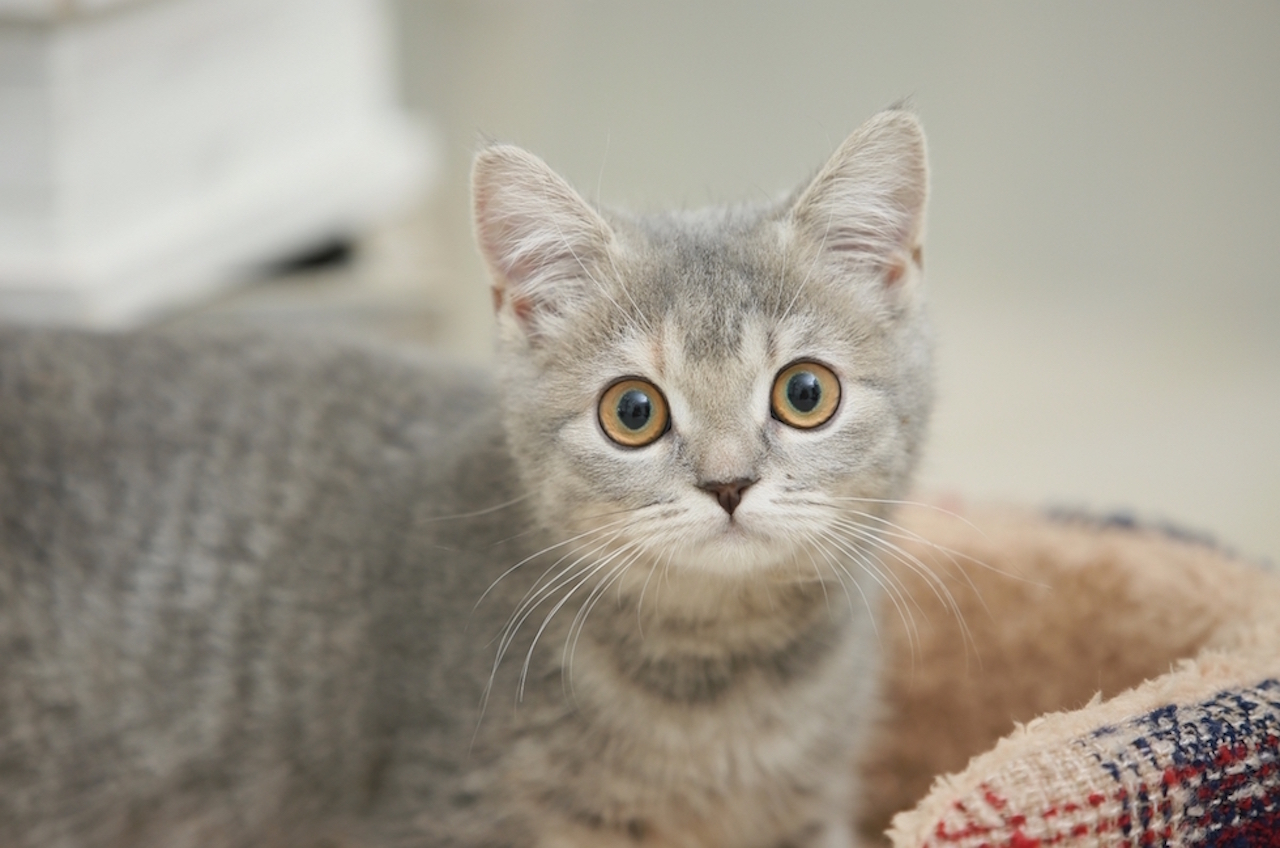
1114, 684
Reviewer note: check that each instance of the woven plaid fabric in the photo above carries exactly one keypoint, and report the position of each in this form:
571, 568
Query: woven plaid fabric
1204, 774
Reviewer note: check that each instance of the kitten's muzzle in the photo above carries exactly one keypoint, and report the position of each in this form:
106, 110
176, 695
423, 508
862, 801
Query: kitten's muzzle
728, 494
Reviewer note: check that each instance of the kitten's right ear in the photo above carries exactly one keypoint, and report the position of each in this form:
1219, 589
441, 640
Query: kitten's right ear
541, 240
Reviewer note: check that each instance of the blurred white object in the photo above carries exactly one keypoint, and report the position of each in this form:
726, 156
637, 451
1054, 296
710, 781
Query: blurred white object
154, 152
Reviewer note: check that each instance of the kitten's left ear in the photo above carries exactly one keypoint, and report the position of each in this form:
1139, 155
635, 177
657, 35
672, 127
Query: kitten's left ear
543, 243
865, 208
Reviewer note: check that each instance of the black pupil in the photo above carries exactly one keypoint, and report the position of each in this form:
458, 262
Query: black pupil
634, 409
804, 392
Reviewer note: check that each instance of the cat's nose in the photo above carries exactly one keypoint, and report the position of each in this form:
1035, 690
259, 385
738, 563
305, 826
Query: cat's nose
728, 494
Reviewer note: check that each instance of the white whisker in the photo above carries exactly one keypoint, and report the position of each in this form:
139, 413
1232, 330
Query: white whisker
915, 565
479, 512
541, 591
922, 504
579, 622
826, 599
884, 580
640, 601
534, 556
537, 593
585, 576
839, 568
836, 572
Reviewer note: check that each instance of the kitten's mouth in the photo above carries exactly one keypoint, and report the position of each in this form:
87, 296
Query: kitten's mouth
742, 533
735, 545
735, 529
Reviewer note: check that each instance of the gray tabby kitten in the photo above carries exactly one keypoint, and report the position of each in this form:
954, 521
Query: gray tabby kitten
259, 592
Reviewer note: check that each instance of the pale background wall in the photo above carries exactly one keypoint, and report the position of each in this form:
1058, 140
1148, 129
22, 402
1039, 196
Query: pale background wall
1103, 253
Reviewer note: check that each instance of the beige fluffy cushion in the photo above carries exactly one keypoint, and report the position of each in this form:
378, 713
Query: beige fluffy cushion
1118, 685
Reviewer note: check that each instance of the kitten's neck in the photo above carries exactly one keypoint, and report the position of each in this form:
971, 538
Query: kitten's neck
699, 638
741, 612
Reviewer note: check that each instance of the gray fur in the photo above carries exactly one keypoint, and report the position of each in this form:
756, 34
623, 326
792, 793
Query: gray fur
265, 591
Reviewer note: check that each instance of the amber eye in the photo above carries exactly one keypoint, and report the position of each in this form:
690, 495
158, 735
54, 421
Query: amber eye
805, 395
633, 412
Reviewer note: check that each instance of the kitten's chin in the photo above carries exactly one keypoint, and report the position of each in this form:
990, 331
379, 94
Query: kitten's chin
735, 552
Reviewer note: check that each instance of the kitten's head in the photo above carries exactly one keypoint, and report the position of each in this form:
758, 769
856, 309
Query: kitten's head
728, 390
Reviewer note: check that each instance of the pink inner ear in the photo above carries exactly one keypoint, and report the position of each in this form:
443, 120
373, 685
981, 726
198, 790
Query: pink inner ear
522, 307
896, 268
893, 272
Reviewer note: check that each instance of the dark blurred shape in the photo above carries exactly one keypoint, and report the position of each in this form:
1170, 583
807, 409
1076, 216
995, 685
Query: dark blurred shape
330, 254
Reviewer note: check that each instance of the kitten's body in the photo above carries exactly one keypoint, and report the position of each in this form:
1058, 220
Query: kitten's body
252, 591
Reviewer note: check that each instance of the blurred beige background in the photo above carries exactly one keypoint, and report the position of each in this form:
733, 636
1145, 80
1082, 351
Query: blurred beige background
1103, 256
